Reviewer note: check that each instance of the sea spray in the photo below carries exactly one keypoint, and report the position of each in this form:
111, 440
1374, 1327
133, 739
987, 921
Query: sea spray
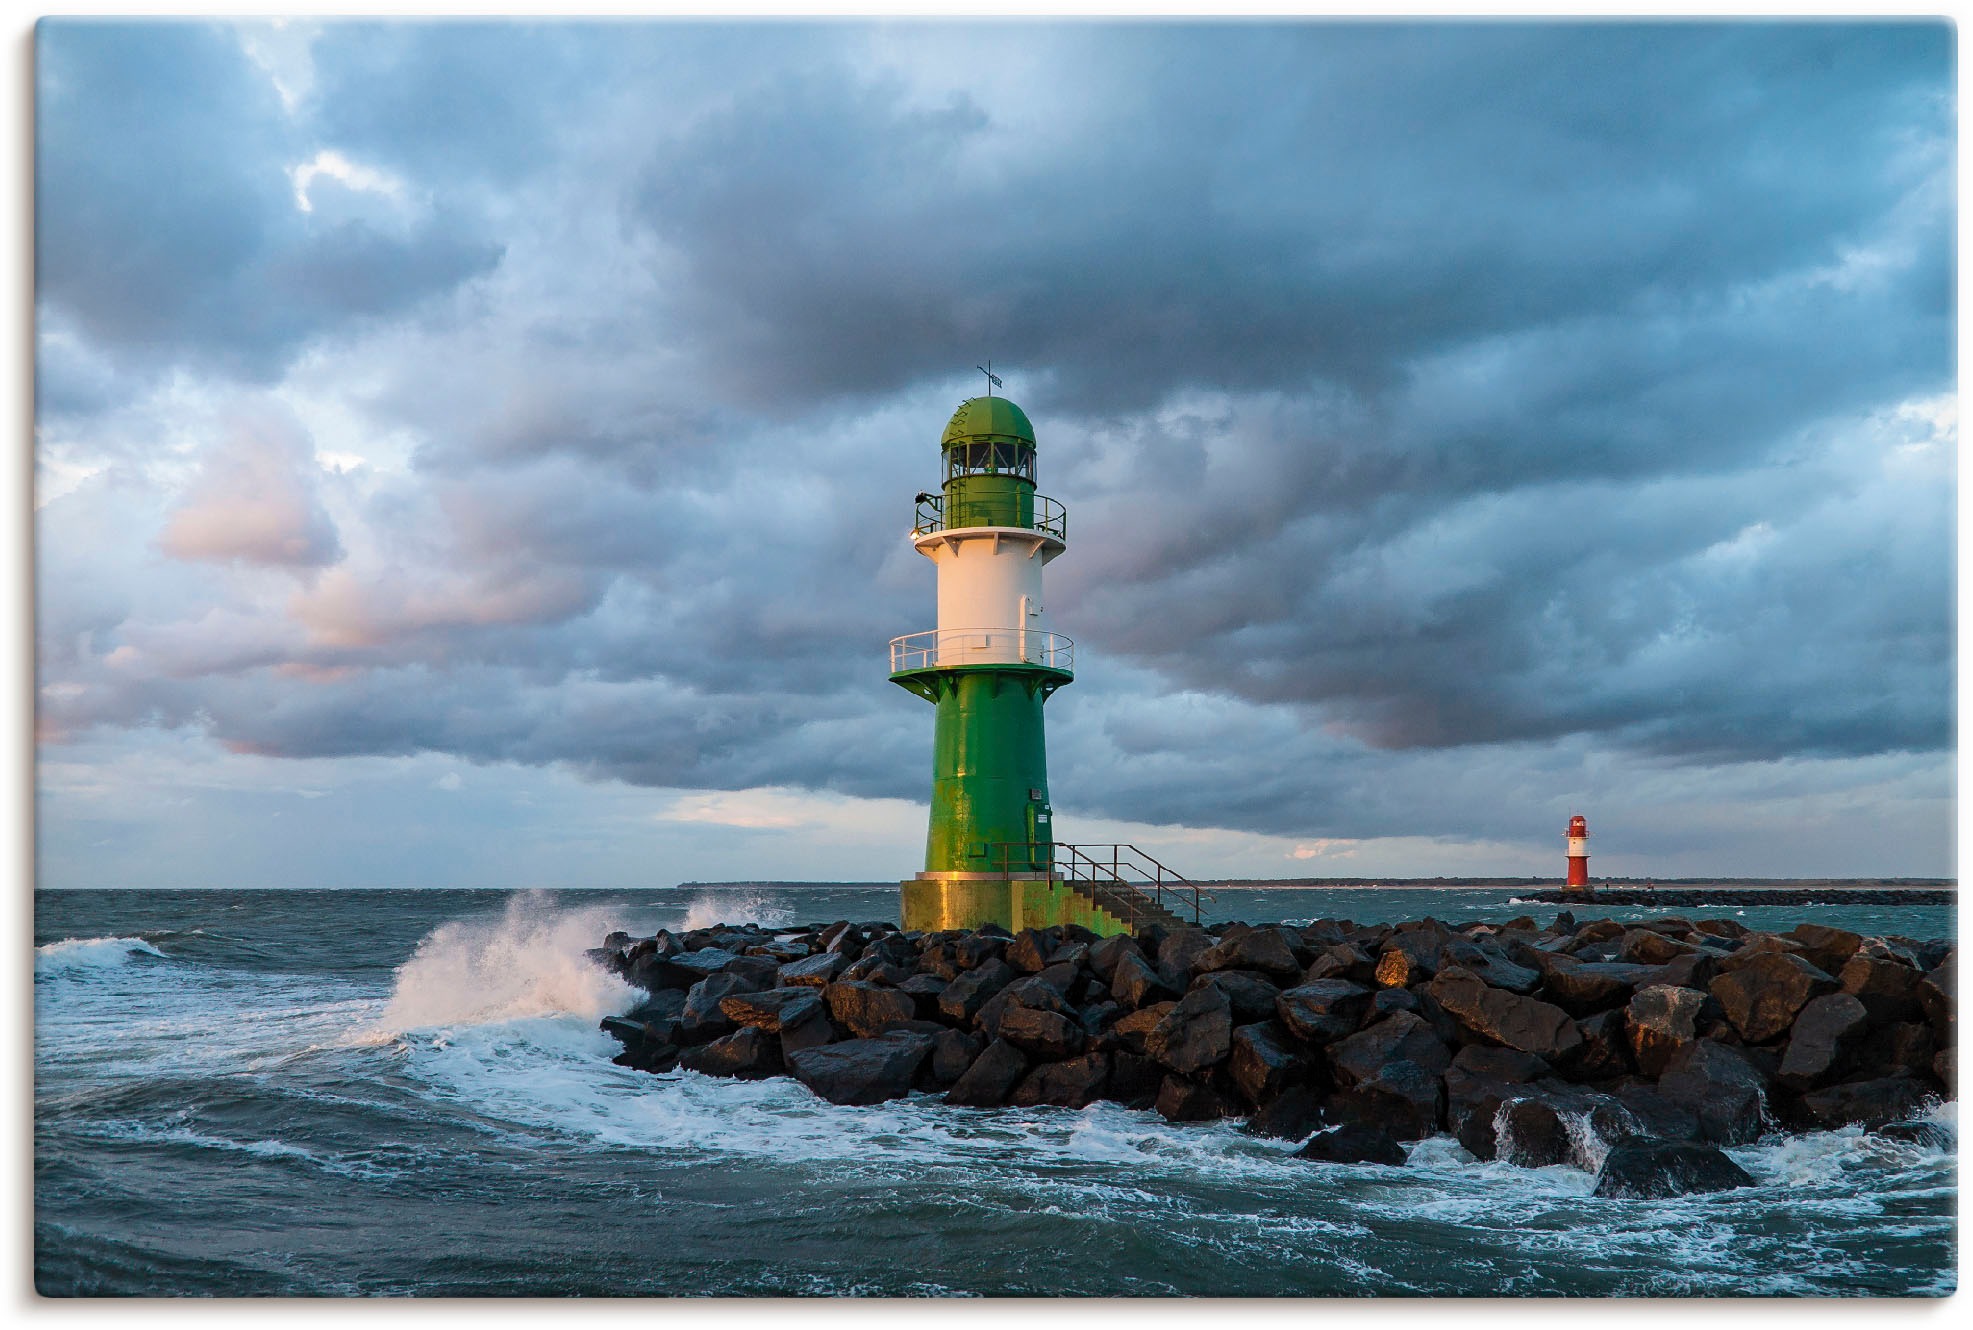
83, 954
529, 962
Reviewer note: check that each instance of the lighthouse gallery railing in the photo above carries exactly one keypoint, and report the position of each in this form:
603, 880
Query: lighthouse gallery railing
1050, 518
982, 646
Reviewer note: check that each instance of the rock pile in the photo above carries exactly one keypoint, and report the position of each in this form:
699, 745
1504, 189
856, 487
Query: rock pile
1637, 1049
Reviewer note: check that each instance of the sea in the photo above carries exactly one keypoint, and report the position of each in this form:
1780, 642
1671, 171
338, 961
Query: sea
351, 1093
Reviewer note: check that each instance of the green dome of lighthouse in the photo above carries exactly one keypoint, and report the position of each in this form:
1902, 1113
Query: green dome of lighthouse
993, 418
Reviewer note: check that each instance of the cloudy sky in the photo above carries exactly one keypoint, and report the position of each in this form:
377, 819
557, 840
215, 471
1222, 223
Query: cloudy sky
483, 454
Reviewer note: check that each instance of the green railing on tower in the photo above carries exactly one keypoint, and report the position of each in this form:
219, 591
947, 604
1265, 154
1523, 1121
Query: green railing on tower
1050, 518
1121, 878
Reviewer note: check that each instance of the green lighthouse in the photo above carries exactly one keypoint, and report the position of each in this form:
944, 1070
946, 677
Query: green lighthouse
988, 668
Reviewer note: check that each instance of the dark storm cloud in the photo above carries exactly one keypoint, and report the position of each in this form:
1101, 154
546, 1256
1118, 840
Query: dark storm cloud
1441, 409
166, 224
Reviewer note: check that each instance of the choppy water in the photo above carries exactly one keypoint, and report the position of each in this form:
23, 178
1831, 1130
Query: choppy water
405, 1093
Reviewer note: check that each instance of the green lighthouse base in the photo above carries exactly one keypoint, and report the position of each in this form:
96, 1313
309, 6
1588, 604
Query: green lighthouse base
936, 901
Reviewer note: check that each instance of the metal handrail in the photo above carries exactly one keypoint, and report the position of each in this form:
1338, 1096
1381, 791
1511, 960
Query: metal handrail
1101, 869
1050, 518
982, 646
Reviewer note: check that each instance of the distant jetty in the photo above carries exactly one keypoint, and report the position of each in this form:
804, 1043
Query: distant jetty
1635, 1050
1705, 898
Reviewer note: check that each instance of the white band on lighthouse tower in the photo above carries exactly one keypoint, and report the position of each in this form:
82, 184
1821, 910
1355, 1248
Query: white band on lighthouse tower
1578, 847
990, 602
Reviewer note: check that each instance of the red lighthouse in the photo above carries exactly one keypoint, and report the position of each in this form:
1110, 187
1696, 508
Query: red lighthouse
1579, 854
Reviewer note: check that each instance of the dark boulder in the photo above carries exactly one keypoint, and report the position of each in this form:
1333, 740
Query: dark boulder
1074, 1083
1134, 983
1903, 1049
1251, 995
748, 1054
1044, 1034
867, 1010
924, 990
770, 1009
1723, 1090
1104, 956
1263, 949
962, 999
1530, 1133
992, 1077
1176, 954
1938, 994
1659, 1022
862, 1071
701, 1020
1290, 1115
1183, 1100
1343, 960
1134, 1079
1486, 961
1195, 1034
660, 1014
1823, 1041
1499, 1064
953, 1051
1644, 946
1264, 1061
686, 968
1401, 1097
1028, 952
1865, 1103
1403, 1037
1763, 996
1585, 987
1504, 1018
1352, 1143
1605, 1050
1649, 1171
1389, 1002
816, 972
1133, 1031
1888, 989
1925, 1132
1828, 949
1326, 1010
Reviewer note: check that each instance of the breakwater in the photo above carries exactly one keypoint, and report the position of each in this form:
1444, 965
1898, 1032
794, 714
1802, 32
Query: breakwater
1634, 1051
1706, 898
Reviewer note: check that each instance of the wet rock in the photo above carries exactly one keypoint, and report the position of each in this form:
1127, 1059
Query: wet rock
768, 1010
1132, 1032
810, 1029
862, 1071
1177, 953
973, 950
924, 990
687, 968
817, 971
660, 1014
1195, 1034
749, 1054
1182, 1100
1938, 994
962, 999
1063, 978
992, 1077
1290, 1116
1263, 1061
1250, 995
1263, 949
1659, 1022
1389, 1002
1720, 1087
701, 1020
1323, 1011
1499, 1064
1823, 1041
1762, 996
867, 1010
1865, 1103
872, 968
1925, 1132
1696, 969
1135, 983
1044, 1034
1643, 946
1490, 964
657, 1058
1352, 1143
1104, 956
1074, 1083
1656, 1117
953, 1051
1499, 1017
1097, 1020
1648, 1171
1530, 1133
1585, 987
1400, 1097
1905, 1048
1888, 989
1028, 952
1134, 1079
1605, 1051
1343, 961
1401, 1037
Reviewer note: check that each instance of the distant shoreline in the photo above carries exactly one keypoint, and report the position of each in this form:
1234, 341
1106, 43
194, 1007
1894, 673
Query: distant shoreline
1454, 883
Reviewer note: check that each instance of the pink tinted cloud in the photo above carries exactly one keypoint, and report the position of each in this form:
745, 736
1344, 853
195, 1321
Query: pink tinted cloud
254, 500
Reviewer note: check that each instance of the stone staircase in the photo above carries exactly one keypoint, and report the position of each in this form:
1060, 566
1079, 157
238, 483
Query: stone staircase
1128, 884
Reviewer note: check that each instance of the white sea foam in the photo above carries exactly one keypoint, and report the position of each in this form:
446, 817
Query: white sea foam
756, 907
528, 963
80, 955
